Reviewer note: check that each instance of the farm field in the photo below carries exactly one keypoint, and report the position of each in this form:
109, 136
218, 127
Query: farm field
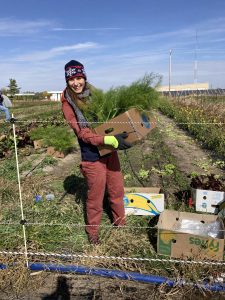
168, 158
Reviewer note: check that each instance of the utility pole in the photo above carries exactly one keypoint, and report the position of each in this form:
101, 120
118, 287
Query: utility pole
170, 70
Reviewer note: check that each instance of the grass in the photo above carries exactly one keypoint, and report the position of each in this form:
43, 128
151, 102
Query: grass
60, 225
8, 169
58, 231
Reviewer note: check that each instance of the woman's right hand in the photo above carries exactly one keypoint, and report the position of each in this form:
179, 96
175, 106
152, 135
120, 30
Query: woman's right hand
117, 141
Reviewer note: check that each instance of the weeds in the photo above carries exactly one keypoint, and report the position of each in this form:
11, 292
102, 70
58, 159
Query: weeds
58, 225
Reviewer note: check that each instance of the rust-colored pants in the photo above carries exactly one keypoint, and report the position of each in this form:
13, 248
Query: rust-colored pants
99, 174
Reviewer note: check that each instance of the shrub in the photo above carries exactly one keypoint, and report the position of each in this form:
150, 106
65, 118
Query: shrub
141, 94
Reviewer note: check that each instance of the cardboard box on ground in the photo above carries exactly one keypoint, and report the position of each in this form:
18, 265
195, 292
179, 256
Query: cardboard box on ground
137, 124
58, 154
207, 201
38, 144
143, 201
190, 235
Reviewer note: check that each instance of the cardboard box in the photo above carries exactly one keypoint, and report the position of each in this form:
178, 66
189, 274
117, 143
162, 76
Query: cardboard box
137, 124
143, 201
190, 242
58, 154
206, 200
38, 144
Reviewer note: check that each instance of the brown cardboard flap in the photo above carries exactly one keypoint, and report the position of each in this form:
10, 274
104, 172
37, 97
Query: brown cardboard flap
168, 218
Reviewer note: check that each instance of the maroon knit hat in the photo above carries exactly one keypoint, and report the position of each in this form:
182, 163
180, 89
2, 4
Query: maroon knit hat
74, 69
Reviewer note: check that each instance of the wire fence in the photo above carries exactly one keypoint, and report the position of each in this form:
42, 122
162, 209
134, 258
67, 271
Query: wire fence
29, 254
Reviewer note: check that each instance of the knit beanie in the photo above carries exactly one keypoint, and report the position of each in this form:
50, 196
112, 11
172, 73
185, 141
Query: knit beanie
74, 69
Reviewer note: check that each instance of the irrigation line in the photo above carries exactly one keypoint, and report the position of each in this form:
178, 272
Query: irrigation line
202, 284
103, 257
20, 193
132, 169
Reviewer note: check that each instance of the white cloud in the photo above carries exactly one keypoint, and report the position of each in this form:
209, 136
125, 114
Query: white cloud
12, 27
85, 29
48, 54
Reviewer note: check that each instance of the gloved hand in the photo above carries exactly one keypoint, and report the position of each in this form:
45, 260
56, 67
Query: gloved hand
122, 144
111, 141
117, 141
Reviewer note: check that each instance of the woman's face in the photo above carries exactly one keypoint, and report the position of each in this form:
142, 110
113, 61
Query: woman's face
77, 84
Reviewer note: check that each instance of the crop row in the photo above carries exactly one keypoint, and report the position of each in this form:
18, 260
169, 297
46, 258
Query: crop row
205, 123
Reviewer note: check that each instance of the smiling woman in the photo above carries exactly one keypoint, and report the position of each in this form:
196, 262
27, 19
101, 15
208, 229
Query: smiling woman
75, 76
99, 171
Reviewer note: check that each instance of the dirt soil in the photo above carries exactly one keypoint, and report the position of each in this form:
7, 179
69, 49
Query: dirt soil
85, 287
190, 158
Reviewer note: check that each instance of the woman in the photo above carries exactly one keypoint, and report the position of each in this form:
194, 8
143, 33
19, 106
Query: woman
100, 172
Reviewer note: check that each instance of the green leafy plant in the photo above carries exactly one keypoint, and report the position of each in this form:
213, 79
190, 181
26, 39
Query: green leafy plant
169, 169
208, 182
58, 137
143, 174
141, 94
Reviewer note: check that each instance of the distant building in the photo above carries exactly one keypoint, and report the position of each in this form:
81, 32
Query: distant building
194, 89
184, 87
21, 95
55, 95
24, 94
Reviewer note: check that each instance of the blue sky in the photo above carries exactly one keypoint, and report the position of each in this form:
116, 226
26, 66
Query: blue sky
117, 41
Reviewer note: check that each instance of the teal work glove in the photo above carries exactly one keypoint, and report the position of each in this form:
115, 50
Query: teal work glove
111, 141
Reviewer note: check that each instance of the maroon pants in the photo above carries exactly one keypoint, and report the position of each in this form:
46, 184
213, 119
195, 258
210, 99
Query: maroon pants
99, 174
